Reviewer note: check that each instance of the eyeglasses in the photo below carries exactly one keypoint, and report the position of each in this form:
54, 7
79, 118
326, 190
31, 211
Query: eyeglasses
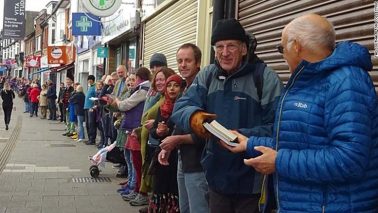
230, 47
280, 48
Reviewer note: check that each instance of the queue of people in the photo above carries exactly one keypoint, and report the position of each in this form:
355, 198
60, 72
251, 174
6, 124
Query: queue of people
309, 146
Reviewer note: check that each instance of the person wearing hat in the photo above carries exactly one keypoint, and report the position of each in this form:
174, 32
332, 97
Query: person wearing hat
90, 122
226, 91
157, 61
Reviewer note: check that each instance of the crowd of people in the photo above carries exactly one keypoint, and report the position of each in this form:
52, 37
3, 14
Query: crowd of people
311, 146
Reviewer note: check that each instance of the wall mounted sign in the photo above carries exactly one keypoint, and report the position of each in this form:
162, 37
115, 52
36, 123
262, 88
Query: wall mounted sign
33, 61
102, 52
85, 24
14, 19
102, 8
56, 55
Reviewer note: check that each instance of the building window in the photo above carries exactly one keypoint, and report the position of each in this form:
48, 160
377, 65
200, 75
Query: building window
38, 43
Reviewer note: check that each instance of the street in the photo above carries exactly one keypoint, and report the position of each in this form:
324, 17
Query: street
43, 171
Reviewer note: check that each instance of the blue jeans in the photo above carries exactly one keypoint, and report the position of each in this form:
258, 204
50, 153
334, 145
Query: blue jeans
193, 191
27, 107
80, 121
131, 175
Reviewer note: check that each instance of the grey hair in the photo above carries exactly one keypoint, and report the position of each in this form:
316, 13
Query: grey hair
310, 34
79, 88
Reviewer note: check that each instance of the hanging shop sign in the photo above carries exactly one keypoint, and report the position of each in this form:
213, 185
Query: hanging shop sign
102, 52
85, 24
102, 8
14, 19
56, 55
33, 61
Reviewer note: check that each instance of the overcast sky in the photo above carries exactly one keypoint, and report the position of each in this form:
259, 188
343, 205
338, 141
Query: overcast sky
31, 5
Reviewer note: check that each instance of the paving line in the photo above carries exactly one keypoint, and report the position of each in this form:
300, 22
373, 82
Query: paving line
4, 155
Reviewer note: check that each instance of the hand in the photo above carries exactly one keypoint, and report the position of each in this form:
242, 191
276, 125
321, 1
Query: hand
163, 157
169, 143
240, 147
149, 124
162, 129
265, 163
196, 123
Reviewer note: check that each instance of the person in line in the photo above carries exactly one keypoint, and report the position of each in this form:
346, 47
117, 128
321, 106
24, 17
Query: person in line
227, 90
42, 99
62, 110
192, 184
120, 92
68, 90
51, 97
34, 93
90, 121
165, 190
7, 95
325, 145
78, 99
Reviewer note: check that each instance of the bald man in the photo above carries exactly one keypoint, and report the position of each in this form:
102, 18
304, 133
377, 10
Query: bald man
324, 153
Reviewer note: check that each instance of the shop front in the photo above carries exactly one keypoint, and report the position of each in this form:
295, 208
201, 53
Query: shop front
120, 37
353, 20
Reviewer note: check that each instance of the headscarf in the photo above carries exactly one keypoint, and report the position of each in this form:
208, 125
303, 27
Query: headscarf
166, 107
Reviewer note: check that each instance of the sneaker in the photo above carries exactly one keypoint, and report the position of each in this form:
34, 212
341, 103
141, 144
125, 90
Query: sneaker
74, 137
131, 196
139, 200
117, 165
79, 140
123, 188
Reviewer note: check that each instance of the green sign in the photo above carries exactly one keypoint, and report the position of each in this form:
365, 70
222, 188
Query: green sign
83, 23
102, 52
131, 53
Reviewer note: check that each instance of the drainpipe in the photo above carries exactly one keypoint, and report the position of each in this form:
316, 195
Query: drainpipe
218, 13
230, 9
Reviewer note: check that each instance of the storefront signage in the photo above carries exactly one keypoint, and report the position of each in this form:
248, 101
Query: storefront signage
120, 22
14, 19
102, 8
85, 24
102, 52
33, 61
61, 54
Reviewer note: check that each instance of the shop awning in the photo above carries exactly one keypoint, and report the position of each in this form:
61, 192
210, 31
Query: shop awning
44, 69
2, 69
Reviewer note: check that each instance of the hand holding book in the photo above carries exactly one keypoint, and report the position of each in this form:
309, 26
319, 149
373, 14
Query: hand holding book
225, 135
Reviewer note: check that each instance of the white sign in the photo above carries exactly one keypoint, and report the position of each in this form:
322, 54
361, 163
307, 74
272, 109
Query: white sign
120, 22
102, 8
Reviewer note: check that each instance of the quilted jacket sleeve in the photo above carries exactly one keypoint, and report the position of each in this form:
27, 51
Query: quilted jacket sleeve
349, 110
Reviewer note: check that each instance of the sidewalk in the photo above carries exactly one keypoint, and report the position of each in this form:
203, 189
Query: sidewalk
43, 171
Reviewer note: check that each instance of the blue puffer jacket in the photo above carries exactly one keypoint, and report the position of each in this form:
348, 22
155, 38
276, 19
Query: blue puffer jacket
326, 136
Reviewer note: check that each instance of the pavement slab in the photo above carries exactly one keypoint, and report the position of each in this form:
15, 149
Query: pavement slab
39, 172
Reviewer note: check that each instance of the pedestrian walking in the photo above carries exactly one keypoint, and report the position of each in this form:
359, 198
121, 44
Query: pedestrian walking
7, 95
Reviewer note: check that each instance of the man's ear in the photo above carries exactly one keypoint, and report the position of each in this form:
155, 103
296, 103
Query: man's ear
244, 49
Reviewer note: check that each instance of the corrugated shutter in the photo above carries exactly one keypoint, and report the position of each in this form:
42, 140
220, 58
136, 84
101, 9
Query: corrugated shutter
168, 30
352, 19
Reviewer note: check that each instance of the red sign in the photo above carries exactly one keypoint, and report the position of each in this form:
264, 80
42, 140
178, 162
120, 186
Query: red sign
56, 55
61, 54
33, 61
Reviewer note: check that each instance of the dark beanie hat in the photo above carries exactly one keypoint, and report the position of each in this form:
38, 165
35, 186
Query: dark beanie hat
228, 29
158, 59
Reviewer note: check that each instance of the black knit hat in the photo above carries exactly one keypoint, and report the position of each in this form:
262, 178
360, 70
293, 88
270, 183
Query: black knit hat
158, 59
228, 29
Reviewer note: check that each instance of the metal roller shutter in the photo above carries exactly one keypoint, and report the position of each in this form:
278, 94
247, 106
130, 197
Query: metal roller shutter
352, 19
168, 30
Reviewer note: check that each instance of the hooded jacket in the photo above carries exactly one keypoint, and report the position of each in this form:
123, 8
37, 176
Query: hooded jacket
326, 135
235, 101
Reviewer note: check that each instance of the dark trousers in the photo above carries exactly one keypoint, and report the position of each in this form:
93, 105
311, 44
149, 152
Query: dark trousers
34, 109
220, 203
62, 110
90, 125
52, 108
7, 112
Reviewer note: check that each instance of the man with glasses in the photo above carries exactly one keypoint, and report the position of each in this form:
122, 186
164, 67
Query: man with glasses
324, 153
226, 90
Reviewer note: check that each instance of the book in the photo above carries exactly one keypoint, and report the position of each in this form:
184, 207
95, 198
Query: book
221, 132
